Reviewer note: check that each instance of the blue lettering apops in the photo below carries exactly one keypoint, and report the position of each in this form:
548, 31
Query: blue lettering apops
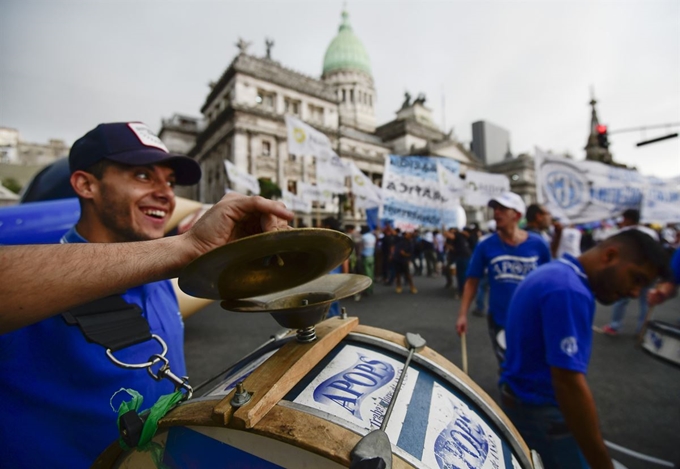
351, 386
463, 444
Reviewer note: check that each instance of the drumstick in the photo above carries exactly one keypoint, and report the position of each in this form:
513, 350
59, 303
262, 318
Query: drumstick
463, 343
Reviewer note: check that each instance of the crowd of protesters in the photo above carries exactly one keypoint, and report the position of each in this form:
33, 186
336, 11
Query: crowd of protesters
532, 300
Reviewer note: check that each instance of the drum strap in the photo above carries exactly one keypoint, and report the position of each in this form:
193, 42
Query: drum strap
110, 322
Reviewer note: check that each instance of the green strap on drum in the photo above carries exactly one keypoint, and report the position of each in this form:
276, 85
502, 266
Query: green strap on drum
164, 404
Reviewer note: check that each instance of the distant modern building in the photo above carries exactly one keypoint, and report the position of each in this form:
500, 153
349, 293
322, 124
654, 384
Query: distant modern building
490, 142
243, 121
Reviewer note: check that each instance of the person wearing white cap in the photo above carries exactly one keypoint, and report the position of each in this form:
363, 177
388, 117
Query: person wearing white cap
509, 255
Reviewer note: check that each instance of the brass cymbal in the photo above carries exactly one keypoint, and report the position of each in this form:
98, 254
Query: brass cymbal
265, 263
304, 305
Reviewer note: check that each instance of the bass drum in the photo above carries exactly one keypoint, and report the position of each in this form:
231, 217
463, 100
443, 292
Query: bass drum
310, 404
662, 340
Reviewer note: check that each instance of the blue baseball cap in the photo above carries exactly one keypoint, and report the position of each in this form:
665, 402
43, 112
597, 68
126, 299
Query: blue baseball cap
130, 143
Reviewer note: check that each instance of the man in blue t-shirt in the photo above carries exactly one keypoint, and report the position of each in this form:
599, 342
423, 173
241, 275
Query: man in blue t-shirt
549, 336
508, 256
124, 178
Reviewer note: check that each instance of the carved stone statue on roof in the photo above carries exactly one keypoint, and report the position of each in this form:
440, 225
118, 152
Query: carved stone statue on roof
420, 99
269, 43
407, 100
242, 45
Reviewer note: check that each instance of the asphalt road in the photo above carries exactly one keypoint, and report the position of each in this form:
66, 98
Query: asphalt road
637, 395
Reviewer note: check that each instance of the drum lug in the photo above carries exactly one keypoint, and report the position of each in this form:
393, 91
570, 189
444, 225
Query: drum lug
130, 427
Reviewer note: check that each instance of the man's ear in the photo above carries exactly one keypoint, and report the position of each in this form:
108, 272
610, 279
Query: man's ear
610, 255
86, 185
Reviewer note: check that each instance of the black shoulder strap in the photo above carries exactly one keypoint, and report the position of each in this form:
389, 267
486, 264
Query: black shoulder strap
110, 322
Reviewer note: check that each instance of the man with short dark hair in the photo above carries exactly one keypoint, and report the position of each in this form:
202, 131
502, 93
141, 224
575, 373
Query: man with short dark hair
539, 221
630, 220
549, 337
124, 178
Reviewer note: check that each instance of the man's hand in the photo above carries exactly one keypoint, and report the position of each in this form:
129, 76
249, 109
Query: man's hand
237, 216
662, 292
461, 324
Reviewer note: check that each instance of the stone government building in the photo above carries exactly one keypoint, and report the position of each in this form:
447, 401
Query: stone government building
243, 121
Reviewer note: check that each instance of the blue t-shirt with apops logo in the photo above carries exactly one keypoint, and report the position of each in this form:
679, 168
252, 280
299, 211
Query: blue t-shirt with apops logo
56, 388
507, 267
550, 322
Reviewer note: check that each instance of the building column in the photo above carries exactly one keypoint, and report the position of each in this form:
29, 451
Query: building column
251, 154
280, 160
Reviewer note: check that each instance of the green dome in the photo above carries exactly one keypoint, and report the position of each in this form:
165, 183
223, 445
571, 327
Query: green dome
346, 52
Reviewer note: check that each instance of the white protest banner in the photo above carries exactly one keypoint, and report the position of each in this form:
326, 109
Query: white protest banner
481, 187
303, 139
661, 202
411, 192
585, 191
313, 193
295, 203
241, 178
331, 174
366, 194
448, 172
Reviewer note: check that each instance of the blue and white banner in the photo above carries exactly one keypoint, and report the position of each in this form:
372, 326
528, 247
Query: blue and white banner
452, 187
481, 187
412, 193
586, 191
241, 179
661, 202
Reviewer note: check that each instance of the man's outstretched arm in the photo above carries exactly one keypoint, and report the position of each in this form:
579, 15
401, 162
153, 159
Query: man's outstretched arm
38, 281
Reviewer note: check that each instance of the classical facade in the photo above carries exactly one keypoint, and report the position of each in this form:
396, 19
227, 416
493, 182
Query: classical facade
14, 150
243, 121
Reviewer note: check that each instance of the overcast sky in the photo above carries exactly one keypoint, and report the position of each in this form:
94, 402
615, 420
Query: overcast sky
527, 66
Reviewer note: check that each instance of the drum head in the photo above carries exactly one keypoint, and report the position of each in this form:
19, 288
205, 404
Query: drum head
265, 263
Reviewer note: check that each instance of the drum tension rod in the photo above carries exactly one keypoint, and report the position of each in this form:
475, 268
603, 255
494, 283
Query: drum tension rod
374, 450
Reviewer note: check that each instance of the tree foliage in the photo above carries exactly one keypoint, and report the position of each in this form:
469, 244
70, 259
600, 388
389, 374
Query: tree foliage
269, 189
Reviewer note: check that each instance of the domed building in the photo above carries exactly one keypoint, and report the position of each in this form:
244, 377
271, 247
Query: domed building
243, 122
347, 68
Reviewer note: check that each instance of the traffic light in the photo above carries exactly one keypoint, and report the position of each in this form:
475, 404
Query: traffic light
602, 138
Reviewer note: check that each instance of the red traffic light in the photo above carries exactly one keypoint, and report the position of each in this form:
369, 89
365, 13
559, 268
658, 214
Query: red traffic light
601, 129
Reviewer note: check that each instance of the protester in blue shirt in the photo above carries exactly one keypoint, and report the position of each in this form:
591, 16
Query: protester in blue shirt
549, 335
508, 255
49, 373
668, 288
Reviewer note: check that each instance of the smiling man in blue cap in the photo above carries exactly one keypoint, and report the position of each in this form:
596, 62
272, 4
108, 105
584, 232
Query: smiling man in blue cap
124, 177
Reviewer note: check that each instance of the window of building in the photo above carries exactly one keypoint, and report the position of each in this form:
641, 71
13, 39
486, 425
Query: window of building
292, 186
370, 100
265, 99
292, 106
292, 157
316, 114
351, 96
344, 95
266, 148
515, 177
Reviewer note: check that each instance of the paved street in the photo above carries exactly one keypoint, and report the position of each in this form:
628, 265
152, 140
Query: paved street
638, 396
